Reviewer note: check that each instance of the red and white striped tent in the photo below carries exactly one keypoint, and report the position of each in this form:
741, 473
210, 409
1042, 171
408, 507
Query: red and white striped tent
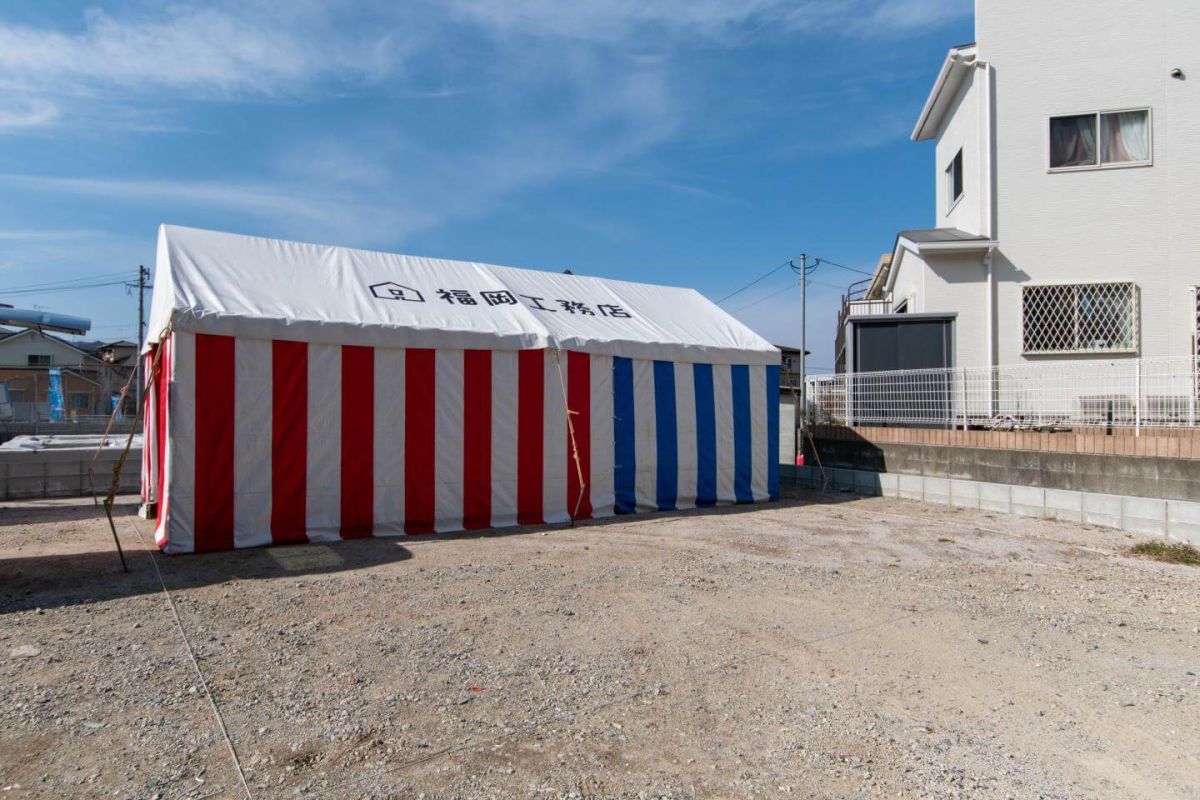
301, 392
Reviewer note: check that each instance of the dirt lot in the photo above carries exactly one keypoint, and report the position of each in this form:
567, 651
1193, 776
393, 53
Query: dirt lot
818, 647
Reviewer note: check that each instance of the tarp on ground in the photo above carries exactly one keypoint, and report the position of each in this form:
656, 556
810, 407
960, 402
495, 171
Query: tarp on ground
308, 393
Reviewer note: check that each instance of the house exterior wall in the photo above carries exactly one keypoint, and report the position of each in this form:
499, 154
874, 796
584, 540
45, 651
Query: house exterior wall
1118, 224
962, 132
948, 283
16, 349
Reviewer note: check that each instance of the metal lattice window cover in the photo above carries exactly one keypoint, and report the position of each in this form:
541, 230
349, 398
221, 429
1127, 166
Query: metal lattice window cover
1080, 318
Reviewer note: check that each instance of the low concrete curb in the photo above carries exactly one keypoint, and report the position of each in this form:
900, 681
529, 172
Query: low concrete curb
64, 473
1175, 519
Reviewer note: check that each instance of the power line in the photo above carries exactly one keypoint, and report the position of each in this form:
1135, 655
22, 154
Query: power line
66, 282
787, 288
56, 290
760, 278
821, 261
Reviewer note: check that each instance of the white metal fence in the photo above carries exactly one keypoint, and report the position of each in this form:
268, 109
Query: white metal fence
1132, 393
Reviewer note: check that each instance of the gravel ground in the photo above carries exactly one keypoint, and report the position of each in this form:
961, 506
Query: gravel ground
818, 647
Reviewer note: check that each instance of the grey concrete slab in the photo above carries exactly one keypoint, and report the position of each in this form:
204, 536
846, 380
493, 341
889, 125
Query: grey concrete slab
1145, 515
1064, 505
1028, 501
995, 497
937, 490
1183, 521
889, 484
867, 483
1102, 509
912, 487
964, 494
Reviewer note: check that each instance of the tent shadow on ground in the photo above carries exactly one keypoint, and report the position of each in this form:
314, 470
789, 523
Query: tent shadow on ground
82, 578
44, 512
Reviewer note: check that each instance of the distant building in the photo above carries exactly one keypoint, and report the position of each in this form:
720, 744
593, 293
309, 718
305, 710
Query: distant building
92, 372
1067, 173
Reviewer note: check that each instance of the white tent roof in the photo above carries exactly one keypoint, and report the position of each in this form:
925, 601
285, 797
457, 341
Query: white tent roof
222, 283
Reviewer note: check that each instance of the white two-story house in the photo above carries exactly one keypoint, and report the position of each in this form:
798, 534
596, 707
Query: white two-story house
1067, 165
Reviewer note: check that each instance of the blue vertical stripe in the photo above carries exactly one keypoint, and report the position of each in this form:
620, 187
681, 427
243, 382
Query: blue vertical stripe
706, 436
742, 455
665, 431
773, 431
624, 452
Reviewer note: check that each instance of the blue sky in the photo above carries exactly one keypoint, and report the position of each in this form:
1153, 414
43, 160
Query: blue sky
691, 142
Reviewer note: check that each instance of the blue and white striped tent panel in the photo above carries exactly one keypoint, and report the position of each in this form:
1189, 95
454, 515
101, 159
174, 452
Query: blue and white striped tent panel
690, 435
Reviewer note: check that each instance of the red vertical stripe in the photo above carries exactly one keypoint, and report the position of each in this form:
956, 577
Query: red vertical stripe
214, 404
477, 439
289, 440
419, 394
579, 405
531, 367
358, 441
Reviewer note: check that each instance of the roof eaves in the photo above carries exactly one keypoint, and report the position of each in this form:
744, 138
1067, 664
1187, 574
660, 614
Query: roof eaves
949, 78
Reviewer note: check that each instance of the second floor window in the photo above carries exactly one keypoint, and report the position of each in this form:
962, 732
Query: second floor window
1107, 138
954, 180
38, 360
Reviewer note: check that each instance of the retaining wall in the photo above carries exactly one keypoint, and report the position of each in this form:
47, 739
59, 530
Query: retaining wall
64, 473
1176, 519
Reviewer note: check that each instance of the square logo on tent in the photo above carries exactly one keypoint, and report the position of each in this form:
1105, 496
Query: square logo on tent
389, 290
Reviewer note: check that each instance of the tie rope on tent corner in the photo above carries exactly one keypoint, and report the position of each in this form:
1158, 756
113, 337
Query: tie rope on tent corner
571, 435
119, 464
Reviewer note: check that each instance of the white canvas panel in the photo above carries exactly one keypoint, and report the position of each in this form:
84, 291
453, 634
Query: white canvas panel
685, 425
448, 440
252, 443
758, 432
323, 476
181, 455
645, 438
601, 416
723, 411
504, 438
555, 444
388, 472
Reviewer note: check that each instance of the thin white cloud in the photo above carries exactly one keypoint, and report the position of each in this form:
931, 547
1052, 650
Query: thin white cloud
615, 20
202, 49
26, 112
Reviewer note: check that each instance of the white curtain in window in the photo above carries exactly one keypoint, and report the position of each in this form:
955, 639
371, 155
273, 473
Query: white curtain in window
1073, 141
1126, 137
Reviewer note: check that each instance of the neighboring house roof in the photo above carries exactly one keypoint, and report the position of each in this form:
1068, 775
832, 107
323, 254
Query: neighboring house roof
55, 339
879, 278
958, 63
932, 235
934, 241
927, 241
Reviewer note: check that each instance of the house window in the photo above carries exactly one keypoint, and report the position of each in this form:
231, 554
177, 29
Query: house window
1079, 318
954, 181
1104, 139
38, 360
80, 401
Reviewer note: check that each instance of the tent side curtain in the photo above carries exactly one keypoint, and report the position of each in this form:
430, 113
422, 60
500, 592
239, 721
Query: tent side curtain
256, 288
314, 442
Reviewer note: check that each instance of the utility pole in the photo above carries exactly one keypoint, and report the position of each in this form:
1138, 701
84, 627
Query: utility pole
143, 274
803, 337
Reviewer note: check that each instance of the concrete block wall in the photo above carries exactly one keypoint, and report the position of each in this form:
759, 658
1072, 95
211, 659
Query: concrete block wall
1175, 519
64, 473
1145, 476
